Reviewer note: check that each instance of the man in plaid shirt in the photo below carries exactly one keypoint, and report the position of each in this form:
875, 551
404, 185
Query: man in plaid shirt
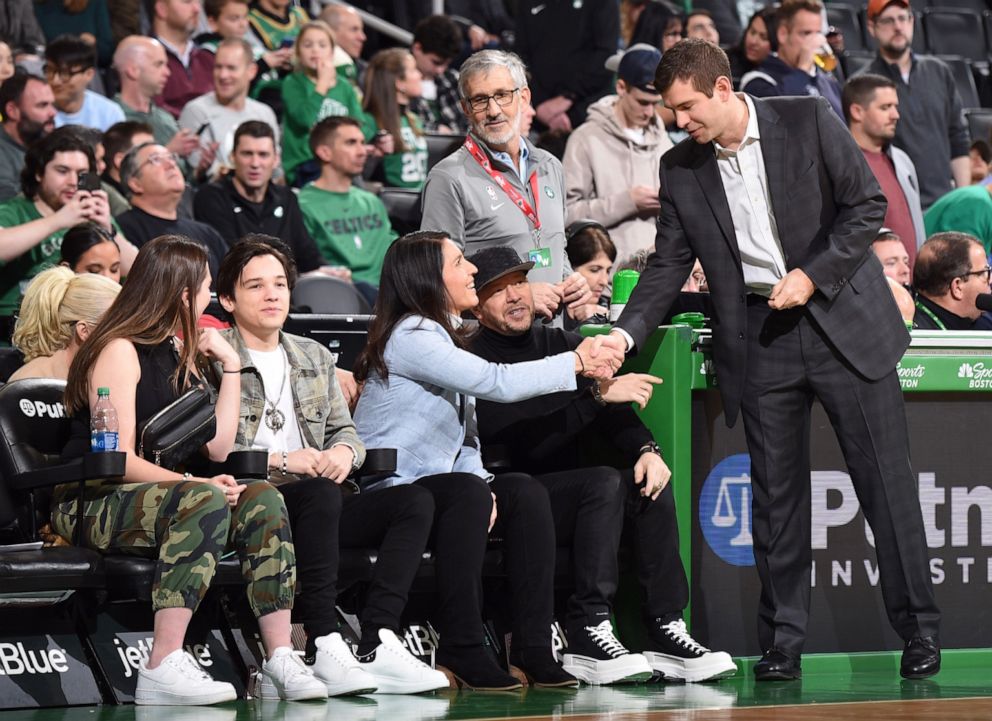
437, 40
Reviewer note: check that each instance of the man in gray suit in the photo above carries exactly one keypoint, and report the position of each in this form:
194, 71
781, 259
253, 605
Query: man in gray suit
775, 200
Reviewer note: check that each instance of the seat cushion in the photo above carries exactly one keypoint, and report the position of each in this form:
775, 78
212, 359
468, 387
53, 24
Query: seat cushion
50, 569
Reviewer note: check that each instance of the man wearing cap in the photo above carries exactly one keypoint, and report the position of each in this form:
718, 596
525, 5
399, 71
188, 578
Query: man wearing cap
775, 200
498, 189
931, 129
544, 437
611, 160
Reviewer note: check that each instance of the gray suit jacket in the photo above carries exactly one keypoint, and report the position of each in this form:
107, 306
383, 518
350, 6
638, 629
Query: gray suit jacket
828, 208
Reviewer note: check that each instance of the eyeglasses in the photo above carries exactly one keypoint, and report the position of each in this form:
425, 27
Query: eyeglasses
159, 159
986, 271
63, 74
890, 20
478, 103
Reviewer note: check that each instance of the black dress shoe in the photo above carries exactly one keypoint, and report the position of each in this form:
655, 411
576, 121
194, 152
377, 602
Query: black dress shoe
920, 657
475, 667
777, 665
540, 668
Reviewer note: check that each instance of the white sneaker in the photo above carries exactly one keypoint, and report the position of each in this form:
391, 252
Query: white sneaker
180, 681
395, 669
286, 677
338, 669
677, 655
594, 655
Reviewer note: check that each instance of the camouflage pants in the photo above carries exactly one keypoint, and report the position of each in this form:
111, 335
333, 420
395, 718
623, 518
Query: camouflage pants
188, 526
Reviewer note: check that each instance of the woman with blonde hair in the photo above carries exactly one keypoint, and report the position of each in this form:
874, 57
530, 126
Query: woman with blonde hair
392, 80
59, 311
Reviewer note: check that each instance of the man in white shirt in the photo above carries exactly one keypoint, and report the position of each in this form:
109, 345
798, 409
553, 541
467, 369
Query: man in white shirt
217, 114
780, 207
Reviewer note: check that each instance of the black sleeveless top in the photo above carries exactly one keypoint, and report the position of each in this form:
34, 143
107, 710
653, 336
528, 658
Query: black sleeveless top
154, 392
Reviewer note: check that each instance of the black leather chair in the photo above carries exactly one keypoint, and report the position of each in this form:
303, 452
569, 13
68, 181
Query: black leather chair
847, 20
964, 80
33, 431
403, 208
979, 123
440, 146
325, 294
952, 31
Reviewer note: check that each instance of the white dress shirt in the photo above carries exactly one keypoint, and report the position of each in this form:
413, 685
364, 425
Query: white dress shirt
745, 184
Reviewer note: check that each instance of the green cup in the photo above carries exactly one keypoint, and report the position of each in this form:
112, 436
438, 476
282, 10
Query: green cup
623, 285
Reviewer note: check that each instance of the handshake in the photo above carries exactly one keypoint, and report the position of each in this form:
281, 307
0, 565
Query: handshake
600, 357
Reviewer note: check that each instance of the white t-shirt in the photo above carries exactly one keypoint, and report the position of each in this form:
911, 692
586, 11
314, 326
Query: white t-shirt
274, 367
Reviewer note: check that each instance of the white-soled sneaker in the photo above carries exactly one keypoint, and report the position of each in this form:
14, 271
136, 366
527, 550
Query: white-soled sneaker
594, 655
337, 668
395, 669
180, 681
286, 677
678, 655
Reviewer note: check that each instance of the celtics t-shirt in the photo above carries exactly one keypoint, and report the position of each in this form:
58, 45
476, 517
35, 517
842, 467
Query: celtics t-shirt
409, 169
272, 30
350, 229
17, 273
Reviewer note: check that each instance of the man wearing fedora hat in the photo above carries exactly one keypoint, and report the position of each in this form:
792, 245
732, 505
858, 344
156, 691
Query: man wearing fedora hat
611, 160
543, 437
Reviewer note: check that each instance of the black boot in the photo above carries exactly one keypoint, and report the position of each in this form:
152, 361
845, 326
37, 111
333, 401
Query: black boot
540, 667
475, 667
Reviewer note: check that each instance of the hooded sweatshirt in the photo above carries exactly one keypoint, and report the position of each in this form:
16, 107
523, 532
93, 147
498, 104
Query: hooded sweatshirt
602, 162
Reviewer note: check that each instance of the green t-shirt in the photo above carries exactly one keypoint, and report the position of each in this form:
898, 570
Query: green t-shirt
350, 229
409, 169
966, 210
304, 108
17, 273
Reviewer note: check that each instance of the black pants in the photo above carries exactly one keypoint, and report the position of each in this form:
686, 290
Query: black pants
789, 363
525, 530
396, 521
587, 508
654, 529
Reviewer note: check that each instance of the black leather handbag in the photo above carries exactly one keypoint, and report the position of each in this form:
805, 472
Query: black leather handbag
180, 429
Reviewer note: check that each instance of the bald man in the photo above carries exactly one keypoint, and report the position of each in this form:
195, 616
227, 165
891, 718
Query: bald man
143, 68
349, 31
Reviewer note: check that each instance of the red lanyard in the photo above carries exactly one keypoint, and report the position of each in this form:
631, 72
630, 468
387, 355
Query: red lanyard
512, 193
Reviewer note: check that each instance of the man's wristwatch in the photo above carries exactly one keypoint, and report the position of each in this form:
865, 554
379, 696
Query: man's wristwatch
597, 393
650, 447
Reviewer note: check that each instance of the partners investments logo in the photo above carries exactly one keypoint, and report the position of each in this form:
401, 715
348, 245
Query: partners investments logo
725, 510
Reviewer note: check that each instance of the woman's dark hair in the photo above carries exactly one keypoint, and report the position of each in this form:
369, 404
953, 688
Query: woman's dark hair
411, 283
149, 309
61, 140
80, 238
654, 20
770, 17
251, 246
588, 242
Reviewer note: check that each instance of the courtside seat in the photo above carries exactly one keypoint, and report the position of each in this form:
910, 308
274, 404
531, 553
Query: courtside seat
27, 574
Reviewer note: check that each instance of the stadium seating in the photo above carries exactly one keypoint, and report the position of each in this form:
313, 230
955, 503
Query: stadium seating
324, 294
403, 208
979, 123
847, 20
963, 79
955, 32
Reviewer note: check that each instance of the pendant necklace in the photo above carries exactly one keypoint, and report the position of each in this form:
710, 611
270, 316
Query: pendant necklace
275, 419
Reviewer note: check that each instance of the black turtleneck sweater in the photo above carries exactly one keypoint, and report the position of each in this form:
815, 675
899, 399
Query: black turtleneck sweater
545, 434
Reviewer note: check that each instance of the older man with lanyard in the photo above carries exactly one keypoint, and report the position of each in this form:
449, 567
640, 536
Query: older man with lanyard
498, 190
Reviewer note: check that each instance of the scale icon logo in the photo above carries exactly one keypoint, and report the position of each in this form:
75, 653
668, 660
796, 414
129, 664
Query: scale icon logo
725, 510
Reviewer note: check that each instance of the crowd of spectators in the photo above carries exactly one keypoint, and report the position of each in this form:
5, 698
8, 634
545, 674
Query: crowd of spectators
168, 132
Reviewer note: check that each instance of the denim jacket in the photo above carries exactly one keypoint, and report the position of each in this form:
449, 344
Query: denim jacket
425, 409
321, 409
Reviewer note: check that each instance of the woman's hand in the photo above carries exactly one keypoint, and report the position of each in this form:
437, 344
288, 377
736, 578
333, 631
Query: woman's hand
337, 462
232, 489
212, 344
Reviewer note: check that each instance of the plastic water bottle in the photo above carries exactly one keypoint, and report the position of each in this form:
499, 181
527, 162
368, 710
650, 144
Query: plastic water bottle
103, 423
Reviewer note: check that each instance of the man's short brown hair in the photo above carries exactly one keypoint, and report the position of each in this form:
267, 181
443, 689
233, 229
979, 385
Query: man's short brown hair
788, 9
692, 60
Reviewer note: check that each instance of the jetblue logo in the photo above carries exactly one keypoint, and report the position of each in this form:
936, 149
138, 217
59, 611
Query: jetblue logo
725, 510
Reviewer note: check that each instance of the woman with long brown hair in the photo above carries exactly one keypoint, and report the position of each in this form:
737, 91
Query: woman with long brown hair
391, 81
186, 521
